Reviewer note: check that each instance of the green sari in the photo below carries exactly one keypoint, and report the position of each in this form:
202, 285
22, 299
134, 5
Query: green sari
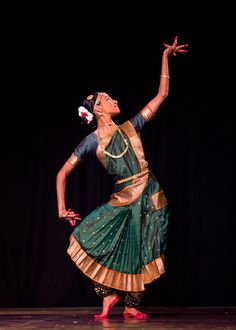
121, 244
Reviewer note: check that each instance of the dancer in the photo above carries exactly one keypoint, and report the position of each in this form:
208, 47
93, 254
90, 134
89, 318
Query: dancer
121, 244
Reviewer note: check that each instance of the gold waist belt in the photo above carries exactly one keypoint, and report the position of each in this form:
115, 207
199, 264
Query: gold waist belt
135, 176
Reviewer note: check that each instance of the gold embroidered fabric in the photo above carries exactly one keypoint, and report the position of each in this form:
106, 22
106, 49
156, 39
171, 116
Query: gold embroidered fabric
129, 194
132, 192
111, 278
159, 200
74, 160
135, 176
147, 113
136, 144
153, 270
103, 275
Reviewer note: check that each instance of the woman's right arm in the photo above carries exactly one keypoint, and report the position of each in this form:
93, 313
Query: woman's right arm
61, 180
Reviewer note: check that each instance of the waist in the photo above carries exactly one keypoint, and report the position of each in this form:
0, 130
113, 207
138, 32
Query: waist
135, 176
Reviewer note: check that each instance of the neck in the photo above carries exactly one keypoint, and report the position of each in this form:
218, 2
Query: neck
107, 125
105, 122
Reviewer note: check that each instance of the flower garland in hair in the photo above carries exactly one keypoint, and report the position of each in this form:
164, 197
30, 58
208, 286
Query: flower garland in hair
84, 113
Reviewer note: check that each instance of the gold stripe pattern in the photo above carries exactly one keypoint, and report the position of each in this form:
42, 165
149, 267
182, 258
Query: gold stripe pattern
159, 199
147, 113
153, 270
111, 278
132, 192
74, 160
135, 176
129, 194
136, 144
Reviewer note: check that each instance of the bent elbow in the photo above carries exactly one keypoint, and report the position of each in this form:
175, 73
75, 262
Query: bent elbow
164, 95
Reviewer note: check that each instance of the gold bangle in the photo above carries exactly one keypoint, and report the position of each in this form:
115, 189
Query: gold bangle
61, 211
164, 76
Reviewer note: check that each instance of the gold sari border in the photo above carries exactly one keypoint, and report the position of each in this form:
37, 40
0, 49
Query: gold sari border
135, 176
129, 194
153, 270
159, 200
101, 274
136, 144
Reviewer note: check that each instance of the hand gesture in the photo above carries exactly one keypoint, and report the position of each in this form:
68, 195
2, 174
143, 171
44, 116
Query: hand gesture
69, 216
174, 48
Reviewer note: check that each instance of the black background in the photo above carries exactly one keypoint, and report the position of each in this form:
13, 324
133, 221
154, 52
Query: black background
50, 62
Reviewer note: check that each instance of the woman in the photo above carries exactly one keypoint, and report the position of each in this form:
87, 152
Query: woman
120, 245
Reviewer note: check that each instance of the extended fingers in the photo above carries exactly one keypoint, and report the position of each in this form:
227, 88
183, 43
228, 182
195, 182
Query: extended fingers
166, 45
180, 49
175, 41
182, 46
71, 213
73, 216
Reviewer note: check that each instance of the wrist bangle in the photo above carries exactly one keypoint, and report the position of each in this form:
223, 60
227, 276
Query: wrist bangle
164, 76
61, 211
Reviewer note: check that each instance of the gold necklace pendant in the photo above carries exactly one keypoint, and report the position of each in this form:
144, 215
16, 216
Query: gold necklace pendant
123, 153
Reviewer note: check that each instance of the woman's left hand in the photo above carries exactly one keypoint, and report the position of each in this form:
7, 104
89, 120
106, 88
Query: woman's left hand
174, 48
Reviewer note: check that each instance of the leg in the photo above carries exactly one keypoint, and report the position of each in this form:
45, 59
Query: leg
109, 296
132, 301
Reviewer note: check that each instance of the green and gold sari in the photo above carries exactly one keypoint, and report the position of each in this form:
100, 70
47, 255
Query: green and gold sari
121, 244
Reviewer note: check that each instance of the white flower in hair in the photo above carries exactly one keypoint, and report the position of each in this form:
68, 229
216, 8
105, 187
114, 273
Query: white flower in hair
84, 113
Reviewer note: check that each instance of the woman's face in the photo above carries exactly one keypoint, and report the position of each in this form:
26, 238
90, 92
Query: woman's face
108, 105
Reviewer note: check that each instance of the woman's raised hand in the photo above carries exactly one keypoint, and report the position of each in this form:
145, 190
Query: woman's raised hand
174, 48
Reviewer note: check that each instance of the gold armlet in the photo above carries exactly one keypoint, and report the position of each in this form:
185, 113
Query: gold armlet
74, 160
147, 113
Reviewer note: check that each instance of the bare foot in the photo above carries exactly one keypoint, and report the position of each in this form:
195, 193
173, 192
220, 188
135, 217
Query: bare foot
135, 313
131, 310
108, 302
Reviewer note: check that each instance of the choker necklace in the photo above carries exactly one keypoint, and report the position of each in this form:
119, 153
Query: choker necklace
108, 124
121, 154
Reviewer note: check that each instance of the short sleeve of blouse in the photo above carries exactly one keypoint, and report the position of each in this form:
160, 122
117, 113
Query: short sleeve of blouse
87, 147
138, 122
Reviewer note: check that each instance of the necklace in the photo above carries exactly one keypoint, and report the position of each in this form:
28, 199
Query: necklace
108, 124
123, 152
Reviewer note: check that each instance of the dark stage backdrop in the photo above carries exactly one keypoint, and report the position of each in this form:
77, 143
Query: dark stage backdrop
189, 146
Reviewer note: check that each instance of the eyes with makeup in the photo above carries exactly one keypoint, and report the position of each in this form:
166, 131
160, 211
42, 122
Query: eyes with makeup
109, 99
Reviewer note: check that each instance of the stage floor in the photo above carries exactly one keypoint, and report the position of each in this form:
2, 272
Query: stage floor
203, 318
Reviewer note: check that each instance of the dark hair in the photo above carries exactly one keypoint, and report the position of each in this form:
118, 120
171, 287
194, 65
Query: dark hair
89, 103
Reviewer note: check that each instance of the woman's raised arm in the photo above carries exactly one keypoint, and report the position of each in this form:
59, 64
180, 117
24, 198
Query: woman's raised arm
153, 105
